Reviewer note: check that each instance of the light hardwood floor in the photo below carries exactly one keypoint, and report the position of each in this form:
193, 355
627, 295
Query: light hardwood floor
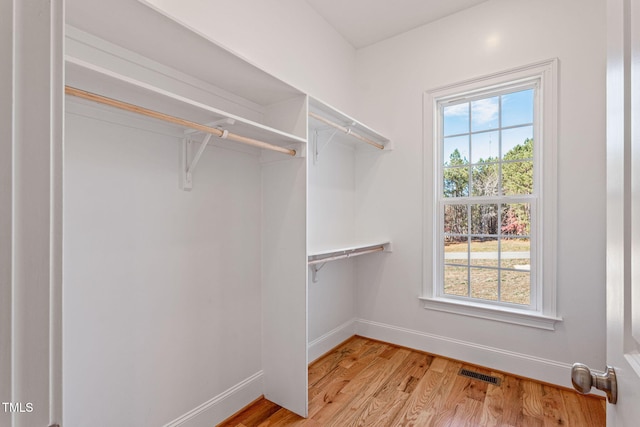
364, 382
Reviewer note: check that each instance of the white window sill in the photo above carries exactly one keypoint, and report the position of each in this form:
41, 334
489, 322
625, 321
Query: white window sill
485, 311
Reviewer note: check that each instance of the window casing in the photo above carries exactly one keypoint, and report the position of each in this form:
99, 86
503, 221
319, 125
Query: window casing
490, 236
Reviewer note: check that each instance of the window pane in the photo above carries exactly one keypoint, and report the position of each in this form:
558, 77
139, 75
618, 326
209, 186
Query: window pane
517, 178
486, 169
456, 151
484, 114
484, 283
517, 108
456, 182
515, 287
517, 143
485, 180
484, 252
516, 219
484, 147
456, 250
456, 281
456, 219
456, 119
484, 219
516, 254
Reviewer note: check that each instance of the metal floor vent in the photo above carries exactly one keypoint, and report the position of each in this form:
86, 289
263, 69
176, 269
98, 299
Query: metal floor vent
478, 376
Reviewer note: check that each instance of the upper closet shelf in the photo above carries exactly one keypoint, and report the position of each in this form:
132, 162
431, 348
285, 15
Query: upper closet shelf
328, 124
151, 38
103, 83
166, 67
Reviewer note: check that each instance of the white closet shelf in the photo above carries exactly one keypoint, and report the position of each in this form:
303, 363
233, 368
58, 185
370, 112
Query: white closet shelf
330, 254
317, 259
148, 32
336, 125
100, 81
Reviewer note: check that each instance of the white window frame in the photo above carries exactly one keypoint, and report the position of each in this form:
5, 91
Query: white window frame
542, 311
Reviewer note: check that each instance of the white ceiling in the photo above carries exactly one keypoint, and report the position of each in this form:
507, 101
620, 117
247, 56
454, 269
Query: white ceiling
364, 22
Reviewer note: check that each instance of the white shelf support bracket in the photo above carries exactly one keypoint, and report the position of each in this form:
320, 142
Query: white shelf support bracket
314, 271
187, 167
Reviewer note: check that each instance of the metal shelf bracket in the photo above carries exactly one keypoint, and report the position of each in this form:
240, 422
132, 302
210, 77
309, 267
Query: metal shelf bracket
316, 146
187, 163
187, 167
314, 271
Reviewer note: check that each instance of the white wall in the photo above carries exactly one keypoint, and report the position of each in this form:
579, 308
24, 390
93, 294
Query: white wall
392, 77
284, 275
331, 205
331, 214
162, 295
286, 38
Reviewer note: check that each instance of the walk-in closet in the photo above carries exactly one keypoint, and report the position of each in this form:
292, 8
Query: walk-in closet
201, 194
200, 199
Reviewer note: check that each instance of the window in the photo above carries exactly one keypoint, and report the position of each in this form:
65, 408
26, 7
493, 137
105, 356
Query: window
493, 197
487, 196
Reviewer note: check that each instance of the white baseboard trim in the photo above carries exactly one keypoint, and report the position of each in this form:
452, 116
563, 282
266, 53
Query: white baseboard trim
220, 407
330, 340
536, 368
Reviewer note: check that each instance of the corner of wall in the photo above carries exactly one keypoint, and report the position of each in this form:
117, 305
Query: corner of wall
218, 408
537, 368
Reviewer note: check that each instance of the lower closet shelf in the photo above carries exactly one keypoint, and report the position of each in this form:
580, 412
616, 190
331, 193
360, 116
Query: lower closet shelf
317, 259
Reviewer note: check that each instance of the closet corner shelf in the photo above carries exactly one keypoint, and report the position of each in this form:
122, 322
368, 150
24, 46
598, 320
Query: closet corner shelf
317, 259
324, 119
325, 255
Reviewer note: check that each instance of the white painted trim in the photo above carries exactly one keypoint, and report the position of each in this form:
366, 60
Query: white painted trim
57, 208
31, 193
537, 368
492, 312
546, 73
219, 408
7, 125
322, 345
492, 81
633, 358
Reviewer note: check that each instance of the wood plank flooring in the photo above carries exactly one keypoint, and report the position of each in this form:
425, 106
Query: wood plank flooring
370, 383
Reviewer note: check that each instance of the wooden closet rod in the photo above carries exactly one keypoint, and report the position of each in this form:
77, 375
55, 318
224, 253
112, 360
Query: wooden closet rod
346, 130
347, 255
175, 120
